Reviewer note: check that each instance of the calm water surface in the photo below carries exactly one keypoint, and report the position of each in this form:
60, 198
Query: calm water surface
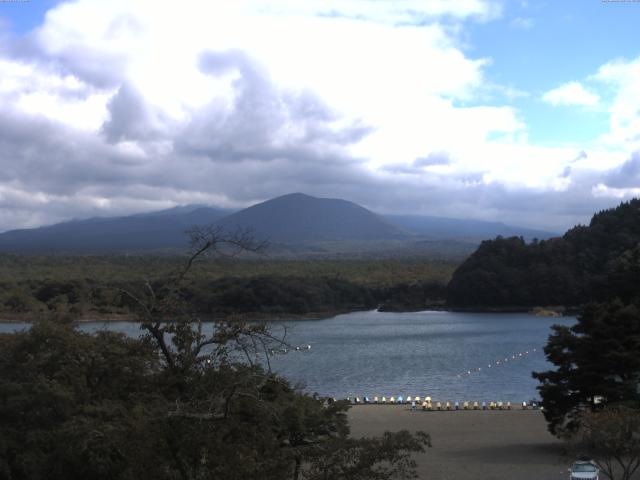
421, 353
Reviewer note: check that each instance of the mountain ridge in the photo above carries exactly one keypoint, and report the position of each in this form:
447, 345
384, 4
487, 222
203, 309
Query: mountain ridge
295, 223
296, 218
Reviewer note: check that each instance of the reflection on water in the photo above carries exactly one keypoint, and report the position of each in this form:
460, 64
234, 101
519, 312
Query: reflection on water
420, 353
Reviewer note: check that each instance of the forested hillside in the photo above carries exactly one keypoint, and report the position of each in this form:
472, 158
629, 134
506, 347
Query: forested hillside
588, 263
87, 287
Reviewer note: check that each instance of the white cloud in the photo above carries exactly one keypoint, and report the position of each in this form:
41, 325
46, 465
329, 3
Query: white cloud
622, 77
570, 94
603, 191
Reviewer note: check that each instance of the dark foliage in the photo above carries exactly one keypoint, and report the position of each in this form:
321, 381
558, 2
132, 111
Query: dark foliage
77, 406
413, 296
591, 263
279, 295
597, 357
86, 287
176, 403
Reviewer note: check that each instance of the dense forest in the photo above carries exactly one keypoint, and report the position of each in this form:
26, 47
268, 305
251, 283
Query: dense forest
588, 263
91, 287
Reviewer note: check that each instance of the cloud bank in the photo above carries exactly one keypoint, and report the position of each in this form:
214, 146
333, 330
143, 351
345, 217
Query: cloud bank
111, 108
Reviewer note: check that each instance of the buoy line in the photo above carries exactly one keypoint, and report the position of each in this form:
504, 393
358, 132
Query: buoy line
285, 350
500, 362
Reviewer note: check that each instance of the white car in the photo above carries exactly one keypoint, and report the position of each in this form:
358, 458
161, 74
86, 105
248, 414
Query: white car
583, 470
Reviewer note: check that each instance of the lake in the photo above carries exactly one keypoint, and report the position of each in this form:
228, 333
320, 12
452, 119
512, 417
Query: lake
447, 355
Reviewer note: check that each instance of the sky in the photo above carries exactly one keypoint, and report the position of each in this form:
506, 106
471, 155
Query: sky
526, 112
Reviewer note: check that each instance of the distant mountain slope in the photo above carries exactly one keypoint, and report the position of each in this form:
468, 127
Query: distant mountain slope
298, 218
294, 224
473, 230
588, 263
164, 230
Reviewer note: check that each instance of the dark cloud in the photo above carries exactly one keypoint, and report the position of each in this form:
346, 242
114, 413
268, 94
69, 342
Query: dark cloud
627, 175
581, 156
129, 117
46, 156
402, 169
264, 122
42, 157
418, 164
434, 158
451, 196
103, 70
98, 68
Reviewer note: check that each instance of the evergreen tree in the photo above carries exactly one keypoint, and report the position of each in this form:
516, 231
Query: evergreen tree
598, 358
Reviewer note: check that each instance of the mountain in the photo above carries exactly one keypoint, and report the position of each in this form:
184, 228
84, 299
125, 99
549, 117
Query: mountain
147, 232
294, 225
471, 230
588, 263
297, 218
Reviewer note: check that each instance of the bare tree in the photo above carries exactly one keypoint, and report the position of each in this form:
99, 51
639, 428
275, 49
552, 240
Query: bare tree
169, 319
178, 332
612, 438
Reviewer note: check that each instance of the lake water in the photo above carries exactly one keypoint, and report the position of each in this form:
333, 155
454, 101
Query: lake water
421, 353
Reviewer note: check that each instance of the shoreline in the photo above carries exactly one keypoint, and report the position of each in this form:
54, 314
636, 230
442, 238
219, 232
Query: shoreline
284, 317
252, 317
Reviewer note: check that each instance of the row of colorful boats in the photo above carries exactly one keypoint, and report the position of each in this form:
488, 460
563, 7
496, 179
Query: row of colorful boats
426, 403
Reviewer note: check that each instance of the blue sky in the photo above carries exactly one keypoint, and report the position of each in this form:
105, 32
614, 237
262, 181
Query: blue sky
539, 45
530, 108
22, 16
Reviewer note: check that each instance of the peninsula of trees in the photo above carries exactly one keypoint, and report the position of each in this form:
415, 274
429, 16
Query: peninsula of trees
588, 263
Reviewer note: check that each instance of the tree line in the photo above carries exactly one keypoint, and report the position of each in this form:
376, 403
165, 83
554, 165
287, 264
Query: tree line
263, 295
589, 263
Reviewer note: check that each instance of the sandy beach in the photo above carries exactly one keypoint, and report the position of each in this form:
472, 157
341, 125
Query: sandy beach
470, 445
